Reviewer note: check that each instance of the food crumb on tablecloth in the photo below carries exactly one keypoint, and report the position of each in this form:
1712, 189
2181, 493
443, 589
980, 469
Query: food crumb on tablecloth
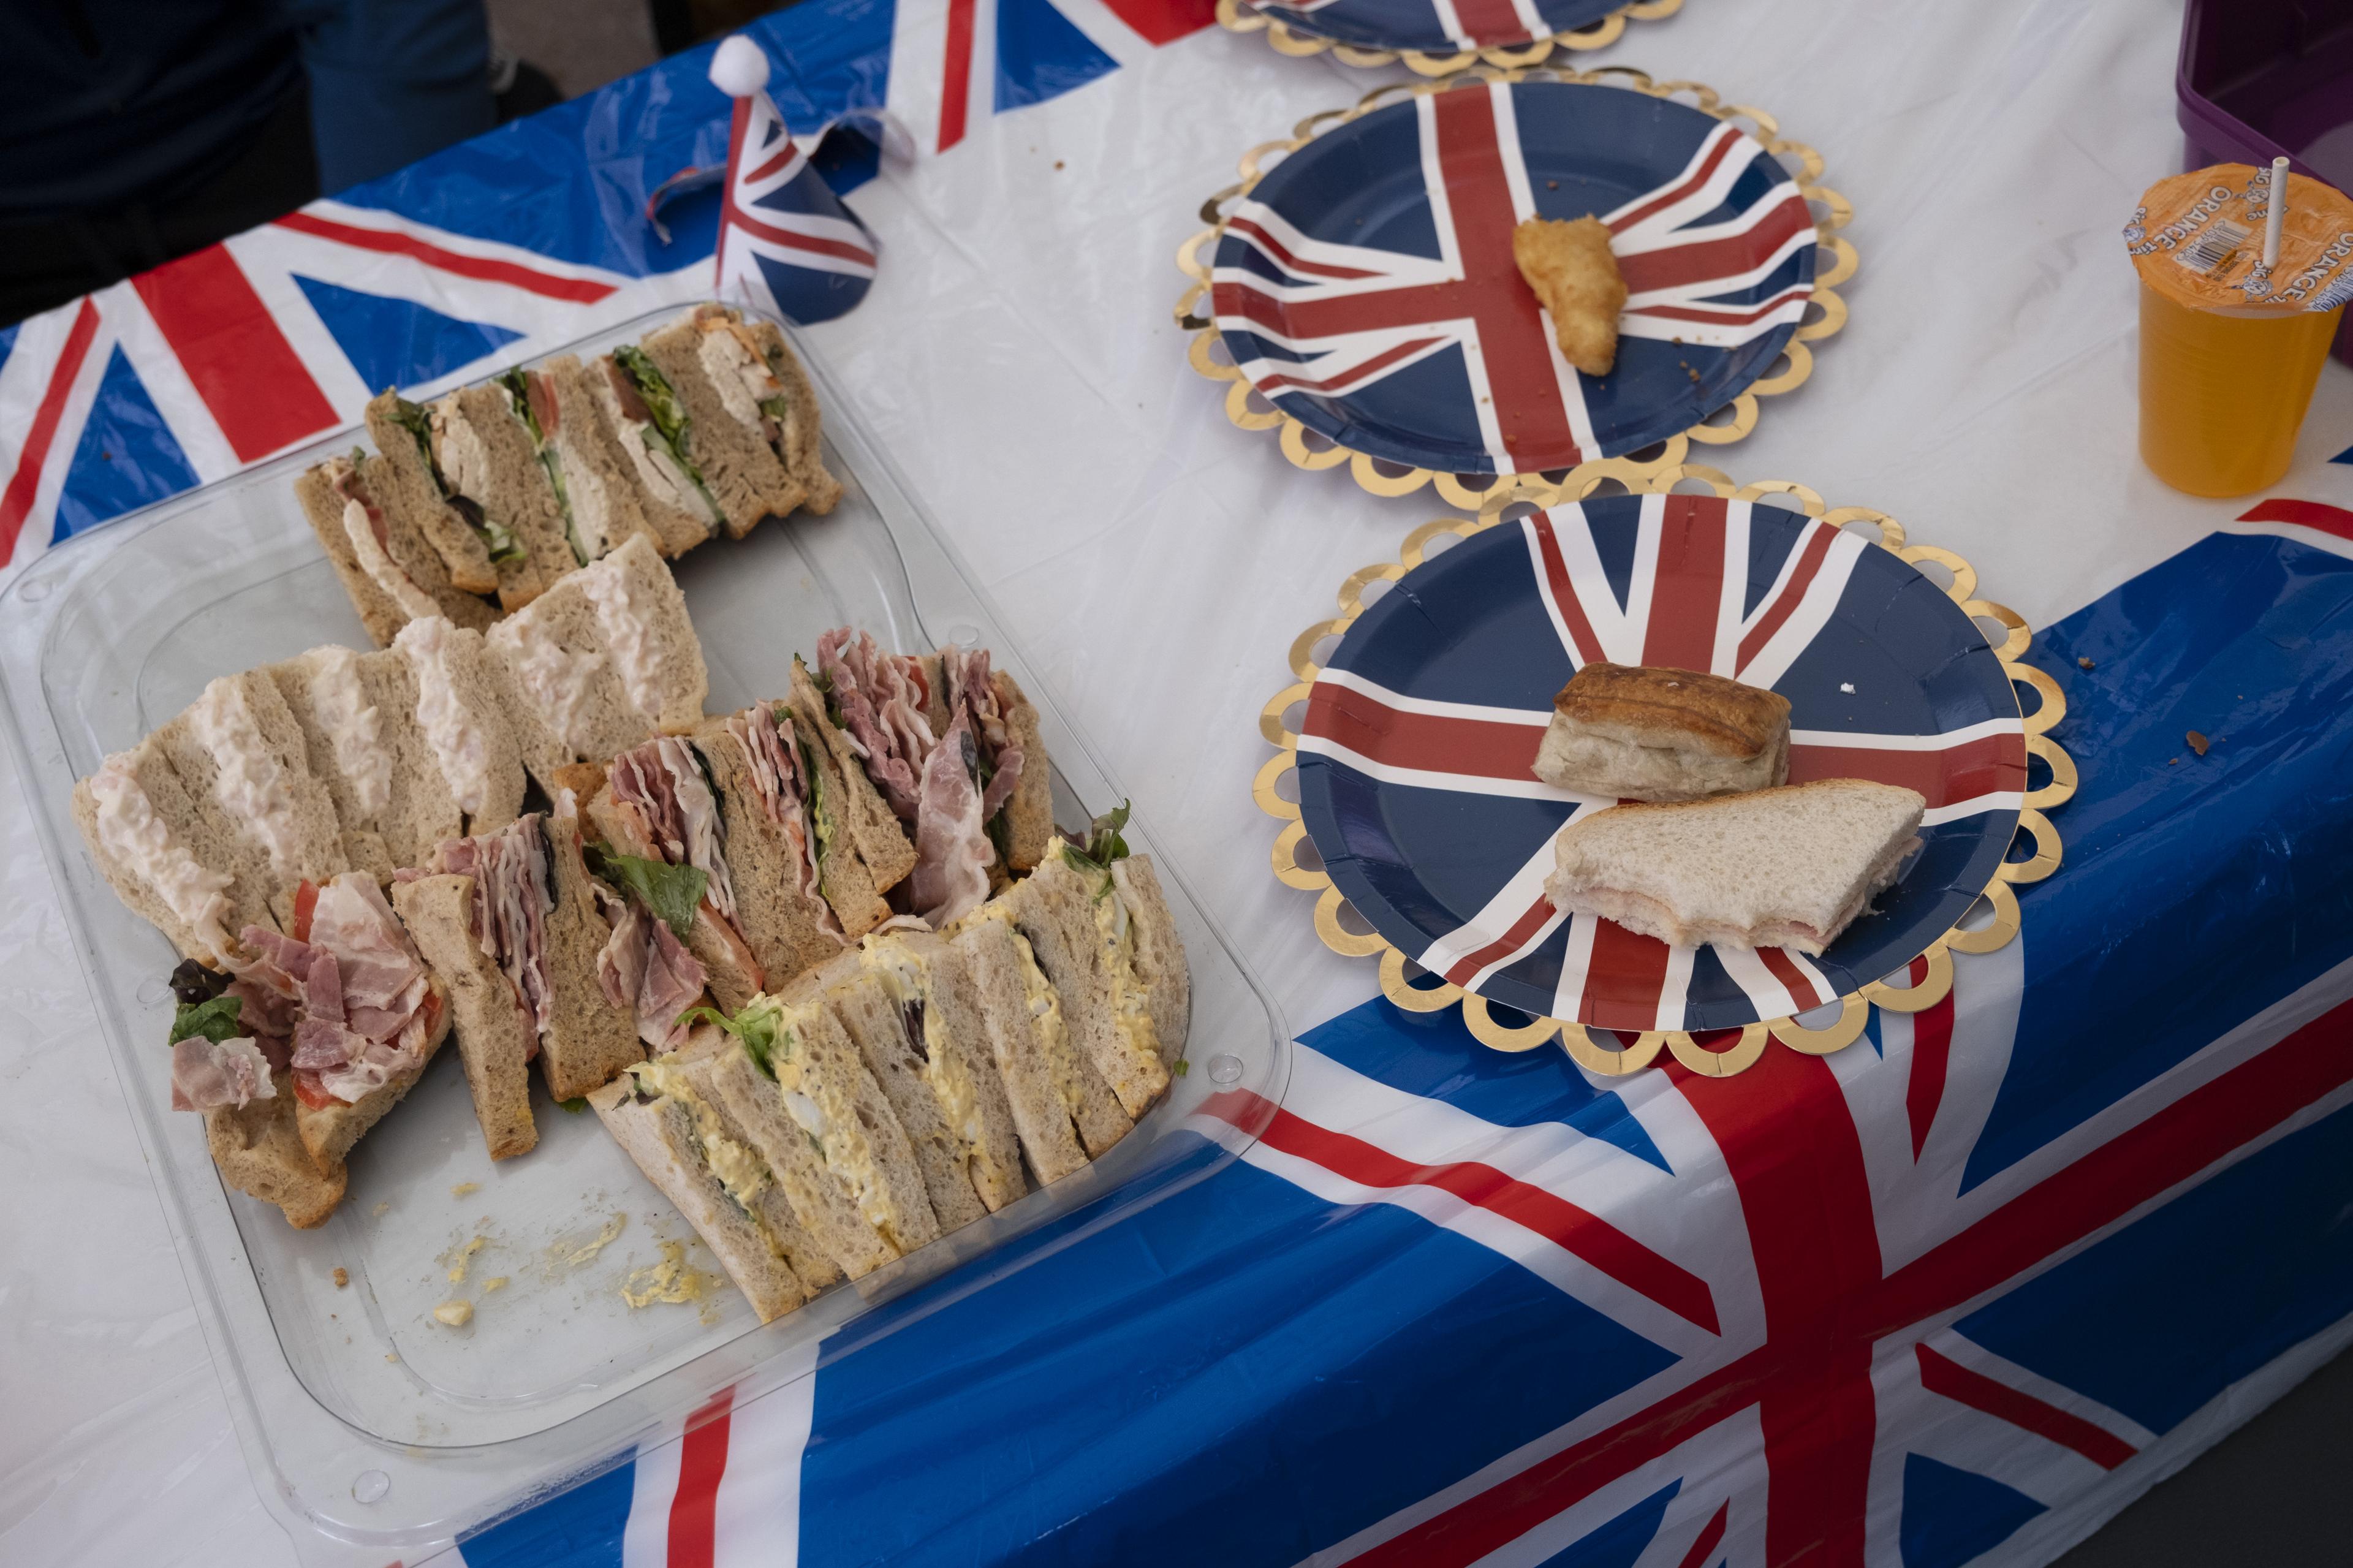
463, 1188
341, 1278
457, 1313
2198, 741
2081, 663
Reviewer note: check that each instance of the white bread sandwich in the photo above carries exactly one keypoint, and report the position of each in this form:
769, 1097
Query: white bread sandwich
657, 813
468, 714
721, 430
943, 1045
761, 382
1662, 734
587, 472
483, 554
358, 717
488, 468
238, 749
513, 923
258, 1150
735, 1079
242, 1087
953, 751
346, 987
602, 660
364, 510
173, 854
670, 491
666, 1118
1064, 1111
1780, 868
1104, 1006
1135, 933
865, 1006
810, 1067
1155, 952
864, 850
496, 1039
777, 824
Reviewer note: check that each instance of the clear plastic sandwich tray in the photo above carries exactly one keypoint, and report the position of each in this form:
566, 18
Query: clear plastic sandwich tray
374, 1431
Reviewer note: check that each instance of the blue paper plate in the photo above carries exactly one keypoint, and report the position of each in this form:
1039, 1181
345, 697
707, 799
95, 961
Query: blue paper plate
1415, 755
1366, 284
1438, 27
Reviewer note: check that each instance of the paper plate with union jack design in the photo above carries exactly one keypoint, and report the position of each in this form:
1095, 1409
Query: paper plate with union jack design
1439, 37
1416, 736
1362, 289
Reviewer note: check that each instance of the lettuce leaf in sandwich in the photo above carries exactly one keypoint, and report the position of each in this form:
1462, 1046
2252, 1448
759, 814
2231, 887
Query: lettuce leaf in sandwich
672, 892
760, 1027
667, 427
497, 538
517, 385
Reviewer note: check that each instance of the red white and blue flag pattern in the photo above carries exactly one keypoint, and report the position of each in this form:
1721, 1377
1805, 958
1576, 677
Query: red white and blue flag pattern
787, 244
1366, 285
1438, 27
1420, 733
2025, 1251
1952, 1295
956, 62
507, 245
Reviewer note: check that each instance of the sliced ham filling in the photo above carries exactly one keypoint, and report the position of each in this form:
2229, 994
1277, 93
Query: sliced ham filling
214, 1076
353, 986
949, 788
644, 966
669, 815
771, 755
659, 785
510, 909
953, 852
881, 696
971, 691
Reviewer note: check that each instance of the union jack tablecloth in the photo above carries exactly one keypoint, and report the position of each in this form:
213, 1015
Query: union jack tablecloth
1955, 1294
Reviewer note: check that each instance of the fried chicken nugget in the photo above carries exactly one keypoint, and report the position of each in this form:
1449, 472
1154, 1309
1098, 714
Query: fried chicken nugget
1569, 265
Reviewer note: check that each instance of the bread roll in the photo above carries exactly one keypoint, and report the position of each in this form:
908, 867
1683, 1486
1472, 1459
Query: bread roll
1663, 734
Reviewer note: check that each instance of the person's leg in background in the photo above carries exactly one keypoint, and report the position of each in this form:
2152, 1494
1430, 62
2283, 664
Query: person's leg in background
392, 81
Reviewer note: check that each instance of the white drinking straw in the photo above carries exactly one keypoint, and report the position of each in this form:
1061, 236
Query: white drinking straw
2278, 211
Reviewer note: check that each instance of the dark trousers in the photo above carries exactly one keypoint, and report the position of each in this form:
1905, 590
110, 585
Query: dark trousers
384, 82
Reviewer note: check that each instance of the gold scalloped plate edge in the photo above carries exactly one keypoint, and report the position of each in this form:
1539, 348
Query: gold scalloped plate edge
1284, 39
1310, 450
1408, 986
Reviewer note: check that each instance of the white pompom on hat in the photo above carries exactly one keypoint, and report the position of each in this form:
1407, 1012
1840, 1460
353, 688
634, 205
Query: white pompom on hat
740, 68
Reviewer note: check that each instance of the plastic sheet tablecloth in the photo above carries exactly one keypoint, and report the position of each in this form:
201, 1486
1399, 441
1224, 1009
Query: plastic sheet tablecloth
1019, 356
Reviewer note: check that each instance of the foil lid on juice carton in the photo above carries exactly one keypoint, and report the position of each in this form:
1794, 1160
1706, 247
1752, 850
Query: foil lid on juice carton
2198, 239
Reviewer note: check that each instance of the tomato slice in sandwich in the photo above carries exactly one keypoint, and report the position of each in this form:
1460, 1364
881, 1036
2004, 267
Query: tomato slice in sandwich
306, 900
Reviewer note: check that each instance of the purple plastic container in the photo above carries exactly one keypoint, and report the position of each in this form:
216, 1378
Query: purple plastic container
2262, 78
